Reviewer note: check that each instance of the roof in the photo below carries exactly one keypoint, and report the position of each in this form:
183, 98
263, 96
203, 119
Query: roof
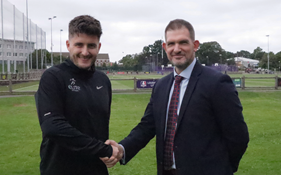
17, 41
246, 60
103, 56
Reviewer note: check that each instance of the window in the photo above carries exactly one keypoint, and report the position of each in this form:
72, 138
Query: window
9, 54
9, 46
26, 54
16, 46
21, 54
0, 53
25, 47
20, 47
15, 54
0, 45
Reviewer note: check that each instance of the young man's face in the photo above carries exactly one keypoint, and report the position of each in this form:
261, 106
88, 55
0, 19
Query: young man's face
180, 48
83, 50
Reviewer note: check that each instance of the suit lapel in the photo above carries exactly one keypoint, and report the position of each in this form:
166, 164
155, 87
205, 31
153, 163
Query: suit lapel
195, 75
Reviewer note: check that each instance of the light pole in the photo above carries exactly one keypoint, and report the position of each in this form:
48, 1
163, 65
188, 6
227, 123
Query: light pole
60, 45
279, 66
52, 40
157, 60
267, 52
2, 38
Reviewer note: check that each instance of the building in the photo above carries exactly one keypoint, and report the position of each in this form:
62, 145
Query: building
242, 62
19, 38
15, 51
101, 58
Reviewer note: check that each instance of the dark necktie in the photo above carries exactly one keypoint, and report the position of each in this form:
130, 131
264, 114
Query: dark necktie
171, 124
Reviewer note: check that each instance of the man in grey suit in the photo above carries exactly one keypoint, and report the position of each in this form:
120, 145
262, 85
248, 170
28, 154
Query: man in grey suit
194, 112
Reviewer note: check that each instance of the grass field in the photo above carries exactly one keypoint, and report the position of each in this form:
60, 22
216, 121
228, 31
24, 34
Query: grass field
127, 82
20, 134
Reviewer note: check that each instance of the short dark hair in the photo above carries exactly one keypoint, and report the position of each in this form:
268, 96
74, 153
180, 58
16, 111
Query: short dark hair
179, 23
84, 24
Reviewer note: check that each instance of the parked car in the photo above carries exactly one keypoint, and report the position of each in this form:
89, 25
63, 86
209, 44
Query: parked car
258, 70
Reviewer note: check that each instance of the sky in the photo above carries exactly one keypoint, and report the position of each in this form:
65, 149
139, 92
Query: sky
129, 25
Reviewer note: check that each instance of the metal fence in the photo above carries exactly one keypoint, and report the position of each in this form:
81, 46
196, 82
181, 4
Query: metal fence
20, 37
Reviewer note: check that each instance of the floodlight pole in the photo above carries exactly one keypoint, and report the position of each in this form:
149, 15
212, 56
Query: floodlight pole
268, 52
52, 40
60, 45
2, 38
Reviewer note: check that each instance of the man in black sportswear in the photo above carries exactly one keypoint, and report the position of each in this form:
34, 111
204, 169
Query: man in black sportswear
73, 103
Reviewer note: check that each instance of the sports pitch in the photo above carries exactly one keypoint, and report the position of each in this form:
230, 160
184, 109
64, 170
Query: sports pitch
20, 134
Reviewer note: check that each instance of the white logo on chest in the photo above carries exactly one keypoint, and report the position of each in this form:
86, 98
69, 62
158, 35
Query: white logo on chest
72, 86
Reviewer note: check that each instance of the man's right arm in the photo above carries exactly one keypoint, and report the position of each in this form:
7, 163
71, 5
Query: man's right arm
110, 162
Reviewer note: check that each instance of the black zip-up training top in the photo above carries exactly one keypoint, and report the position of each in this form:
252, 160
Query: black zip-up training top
74, 110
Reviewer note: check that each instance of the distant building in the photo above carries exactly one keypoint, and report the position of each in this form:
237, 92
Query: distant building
17, 50
101, 58
246, 62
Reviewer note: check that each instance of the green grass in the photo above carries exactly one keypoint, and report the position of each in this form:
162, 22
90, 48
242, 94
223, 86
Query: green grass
26, 86
260, 83
262, 114
122, 84
20, 134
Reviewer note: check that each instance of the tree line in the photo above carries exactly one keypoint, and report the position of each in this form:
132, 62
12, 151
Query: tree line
208, 53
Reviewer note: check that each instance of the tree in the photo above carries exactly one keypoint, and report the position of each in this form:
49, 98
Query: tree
46, 59
155, 52
128, 62
210, 53
104, 65
257, 54
244, 53
114, 66
264, 61
278, 60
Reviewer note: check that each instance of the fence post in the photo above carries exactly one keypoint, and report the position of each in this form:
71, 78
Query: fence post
135, 84
243, 82
10, 86
276, 82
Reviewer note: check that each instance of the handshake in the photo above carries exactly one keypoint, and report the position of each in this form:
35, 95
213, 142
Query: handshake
117, 154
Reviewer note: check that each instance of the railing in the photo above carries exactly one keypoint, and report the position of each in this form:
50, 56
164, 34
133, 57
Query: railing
277, 83
143, 84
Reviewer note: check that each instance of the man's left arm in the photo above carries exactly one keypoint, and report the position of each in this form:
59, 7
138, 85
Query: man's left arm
228, 112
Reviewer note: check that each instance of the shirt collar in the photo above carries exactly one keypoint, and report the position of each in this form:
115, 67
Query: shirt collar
187, 71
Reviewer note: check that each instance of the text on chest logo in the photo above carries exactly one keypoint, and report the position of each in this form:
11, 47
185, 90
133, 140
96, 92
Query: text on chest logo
72, 85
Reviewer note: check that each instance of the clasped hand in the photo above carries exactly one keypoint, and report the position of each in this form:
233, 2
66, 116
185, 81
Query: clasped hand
117, 154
